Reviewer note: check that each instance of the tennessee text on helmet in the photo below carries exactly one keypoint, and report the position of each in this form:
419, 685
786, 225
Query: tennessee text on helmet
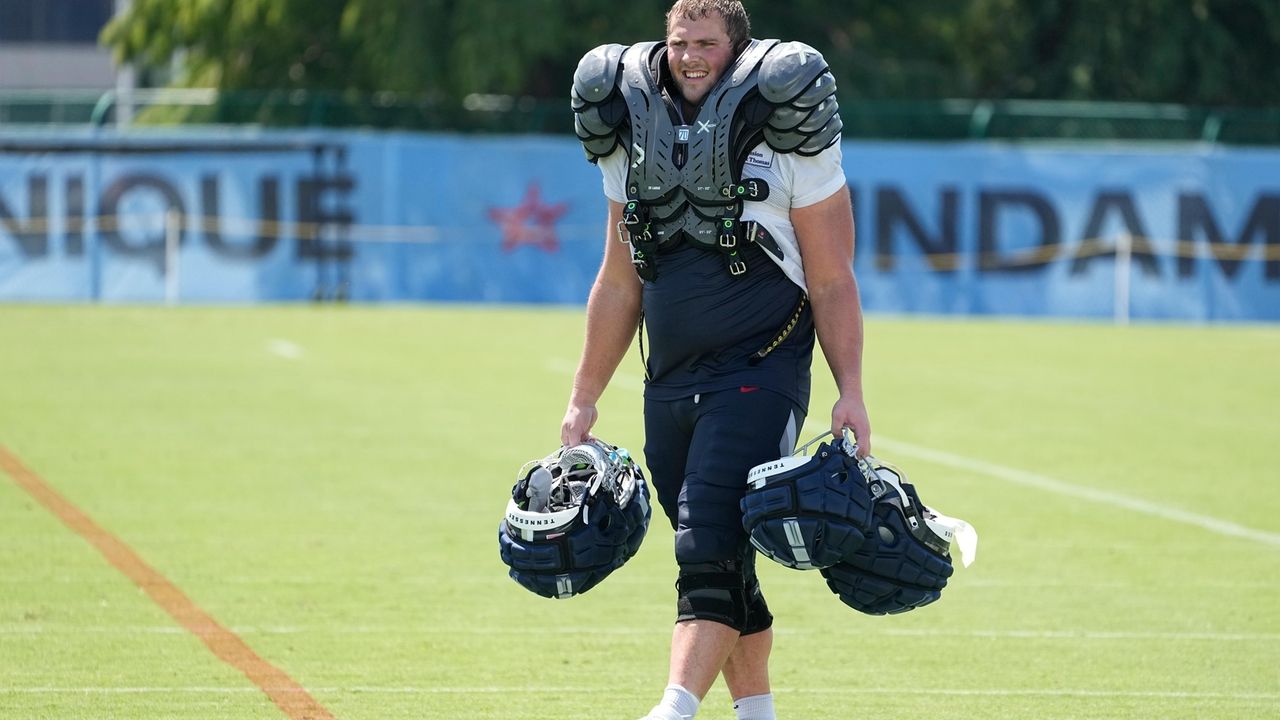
574, 517
906, 560
685, 180
808, 512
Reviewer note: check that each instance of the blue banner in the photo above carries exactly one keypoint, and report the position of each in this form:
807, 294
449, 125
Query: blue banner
1018, 230
211, 216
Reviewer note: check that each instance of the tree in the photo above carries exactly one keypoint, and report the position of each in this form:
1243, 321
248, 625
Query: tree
1196, 52
1199, 52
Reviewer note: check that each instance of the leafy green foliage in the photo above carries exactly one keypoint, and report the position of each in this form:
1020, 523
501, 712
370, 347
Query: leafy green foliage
1202, 52
1197, 52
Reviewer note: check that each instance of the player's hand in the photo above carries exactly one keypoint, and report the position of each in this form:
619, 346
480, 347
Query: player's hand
851, 412
575, 429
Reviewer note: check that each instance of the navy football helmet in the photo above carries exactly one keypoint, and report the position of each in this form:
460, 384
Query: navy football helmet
808, 512
906, 560
858, 521
574, 517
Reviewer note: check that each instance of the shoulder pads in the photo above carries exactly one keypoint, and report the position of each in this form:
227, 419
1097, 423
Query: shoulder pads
599, 109
796, 81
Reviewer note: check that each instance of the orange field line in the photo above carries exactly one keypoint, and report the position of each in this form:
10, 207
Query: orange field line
287, 694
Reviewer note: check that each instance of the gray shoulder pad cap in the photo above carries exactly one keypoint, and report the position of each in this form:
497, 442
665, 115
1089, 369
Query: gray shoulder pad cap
809, 140
787, 71
597, 72
805, 118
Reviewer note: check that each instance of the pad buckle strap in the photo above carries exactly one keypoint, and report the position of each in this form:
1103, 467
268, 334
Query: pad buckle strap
756, 233
631, 215
635, 221
754, 189
644, 268
737, 267
635, 228
728, 238
626, 235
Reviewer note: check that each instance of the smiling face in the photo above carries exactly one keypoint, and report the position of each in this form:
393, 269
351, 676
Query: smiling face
698, 52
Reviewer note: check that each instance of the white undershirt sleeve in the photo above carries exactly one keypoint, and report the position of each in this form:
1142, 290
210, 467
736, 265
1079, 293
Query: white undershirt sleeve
613, 170
817, 177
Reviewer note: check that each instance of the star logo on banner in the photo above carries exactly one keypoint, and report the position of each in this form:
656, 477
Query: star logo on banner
530, 223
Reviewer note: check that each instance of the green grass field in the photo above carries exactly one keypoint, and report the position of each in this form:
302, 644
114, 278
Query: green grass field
327, 483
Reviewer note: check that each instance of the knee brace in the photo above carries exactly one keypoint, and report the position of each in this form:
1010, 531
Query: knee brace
758, 617
721, 592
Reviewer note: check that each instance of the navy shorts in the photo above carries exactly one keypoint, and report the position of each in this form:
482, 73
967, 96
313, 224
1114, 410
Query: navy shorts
699, 450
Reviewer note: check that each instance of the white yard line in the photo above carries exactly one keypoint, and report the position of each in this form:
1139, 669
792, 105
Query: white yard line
1089, 635
285, 349
1206, 636
544, 690
626, 381
1022, 477
1080, 492
1043, 692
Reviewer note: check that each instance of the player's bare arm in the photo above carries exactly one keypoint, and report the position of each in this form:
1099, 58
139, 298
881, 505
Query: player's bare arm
825, 234
613, 312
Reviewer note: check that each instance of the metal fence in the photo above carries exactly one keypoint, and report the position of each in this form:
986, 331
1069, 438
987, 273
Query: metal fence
938, 120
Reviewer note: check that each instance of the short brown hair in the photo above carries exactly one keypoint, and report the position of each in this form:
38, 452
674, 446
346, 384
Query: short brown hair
736, 23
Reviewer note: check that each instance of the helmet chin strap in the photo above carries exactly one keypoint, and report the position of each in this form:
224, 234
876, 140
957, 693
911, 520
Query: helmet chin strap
801, 450
848, 444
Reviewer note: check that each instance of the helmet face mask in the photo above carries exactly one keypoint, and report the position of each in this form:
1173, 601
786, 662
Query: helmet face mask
573, 518
888, 484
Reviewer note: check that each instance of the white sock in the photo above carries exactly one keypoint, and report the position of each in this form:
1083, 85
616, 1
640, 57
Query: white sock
756, 707
677, 704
